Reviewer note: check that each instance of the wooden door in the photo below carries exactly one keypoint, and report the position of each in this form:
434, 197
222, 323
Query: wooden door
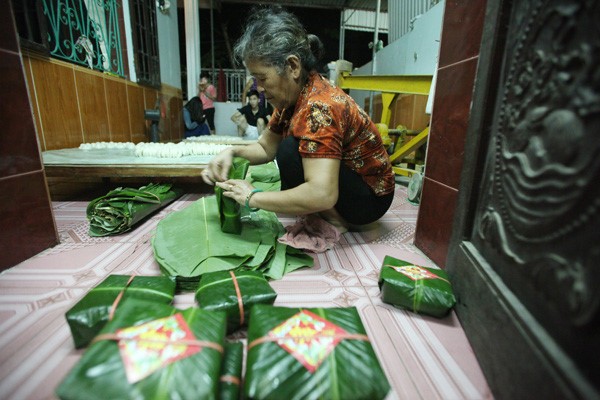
525, 252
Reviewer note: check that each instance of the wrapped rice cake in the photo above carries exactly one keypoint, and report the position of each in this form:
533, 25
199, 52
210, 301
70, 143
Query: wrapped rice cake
235, 293
416, 288
231, 371
151, 351
229, 209
90, 314
318, 353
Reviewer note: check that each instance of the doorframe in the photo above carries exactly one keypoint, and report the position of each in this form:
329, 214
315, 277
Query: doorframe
517, 355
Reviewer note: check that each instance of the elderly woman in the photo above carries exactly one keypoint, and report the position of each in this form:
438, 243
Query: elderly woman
330, 155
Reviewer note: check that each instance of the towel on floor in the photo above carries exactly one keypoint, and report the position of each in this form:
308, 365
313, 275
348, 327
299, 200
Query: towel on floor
311, 233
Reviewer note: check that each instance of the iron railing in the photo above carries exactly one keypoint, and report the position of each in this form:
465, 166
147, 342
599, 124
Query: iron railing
85, 32
235, 81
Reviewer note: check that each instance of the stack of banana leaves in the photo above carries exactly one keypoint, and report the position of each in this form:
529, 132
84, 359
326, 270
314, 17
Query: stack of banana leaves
317, 353
119, 210
190, 242
265, 176
151, 351
92, 312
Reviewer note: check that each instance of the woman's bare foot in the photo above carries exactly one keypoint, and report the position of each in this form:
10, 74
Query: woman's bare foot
335, 219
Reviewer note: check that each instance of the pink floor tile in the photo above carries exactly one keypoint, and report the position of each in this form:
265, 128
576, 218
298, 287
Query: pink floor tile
81, 267
35, 341
435, 352
422, 357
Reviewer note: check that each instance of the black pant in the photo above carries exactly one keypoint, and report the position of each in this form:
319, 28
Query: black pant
357, 203
209, 113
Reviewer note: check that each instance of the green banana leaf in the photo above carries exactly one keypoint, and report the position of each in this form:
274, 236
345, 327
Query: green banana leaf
90, 314
217, 292
265, 177
101, 372
229, 209
119, 210
416, 288
349, 371
231, 371
190, 242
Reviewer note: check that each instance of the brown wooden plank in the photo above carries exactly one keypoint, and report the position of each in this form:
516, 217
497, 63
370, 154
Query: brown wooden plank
122, 171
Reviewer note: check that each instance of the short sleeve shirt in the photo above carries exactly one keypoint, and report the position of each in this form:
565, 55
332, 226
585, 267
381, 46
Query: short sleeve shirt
206, 102
252, 118
329, 124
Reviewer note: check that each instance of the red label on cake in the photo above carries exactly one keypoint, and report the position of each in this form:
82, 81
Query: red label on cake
415, 272
148, 347
308, 337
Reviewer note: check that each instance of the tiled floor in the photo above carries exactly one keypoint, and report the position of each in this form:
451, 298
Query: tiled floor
423, 357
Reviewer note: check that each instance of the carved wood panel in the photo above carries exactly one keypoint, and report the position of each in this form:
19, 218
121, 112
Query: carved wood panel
537, 218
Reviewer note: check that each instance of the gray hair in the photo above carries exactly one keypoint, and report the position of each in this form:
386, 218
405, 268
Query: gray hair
272, 35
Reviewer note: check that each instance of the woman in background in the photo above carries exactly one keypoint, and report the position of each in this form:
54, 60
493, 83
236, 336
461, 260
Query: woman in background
193, 117
208, 94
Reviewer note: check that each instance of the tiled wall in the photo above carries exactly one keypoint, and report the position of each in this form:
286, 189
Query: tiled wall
26, 220
459, 51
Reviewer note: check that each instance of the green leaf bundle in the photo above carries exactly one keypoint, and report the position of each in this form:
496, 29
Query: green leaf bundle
416, 288
119, 210
349, 371
265, 176
101, 372
91, 313
229, 209
189, 243
218, 291
231, 371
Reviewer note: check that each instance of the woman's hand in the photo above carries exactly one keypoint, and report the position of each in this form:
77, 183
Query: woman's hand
218, 168
236, 189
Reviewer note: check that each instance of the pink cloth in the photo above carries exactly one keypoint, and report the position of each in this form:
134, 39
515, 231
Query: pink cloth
312, 233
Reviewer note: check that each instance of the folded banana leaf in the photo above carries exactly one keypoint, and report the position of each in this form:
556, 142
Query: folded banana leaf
416, 288
190, 242
318, 353
234, 292
265, 176
90, 314
231, 371
151, 351
119, 210
229, 209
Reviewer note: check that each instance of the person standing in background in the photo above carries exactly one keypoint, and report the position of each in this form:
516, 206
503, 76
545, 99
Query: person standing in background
208, 94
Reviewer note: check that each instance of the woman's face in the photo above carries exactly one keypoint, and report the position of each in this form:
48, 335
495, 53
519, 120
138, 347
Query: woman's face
280, 90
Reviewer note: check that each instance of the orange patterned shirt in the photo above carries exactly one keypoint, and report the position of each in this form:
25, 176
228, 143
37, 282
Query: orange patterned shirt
329, 124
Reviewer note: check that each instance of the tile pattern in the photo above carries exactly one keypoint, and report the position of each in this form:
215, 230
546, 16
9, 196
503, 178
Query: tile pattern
422, 357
